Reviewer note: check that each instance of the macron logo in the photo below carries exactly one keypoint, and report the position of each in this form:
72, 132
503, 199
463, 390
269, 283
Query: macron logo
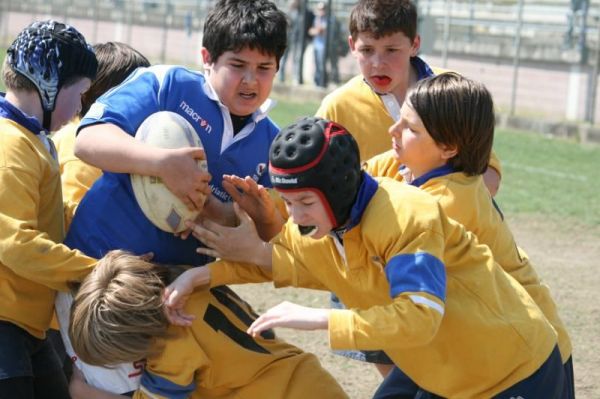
195, 116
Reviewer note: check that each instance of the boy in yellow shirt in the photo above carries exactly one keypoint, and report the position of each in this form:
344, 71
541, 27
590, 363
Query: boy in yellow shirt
47, 68
118, 316
417, 285
445, 153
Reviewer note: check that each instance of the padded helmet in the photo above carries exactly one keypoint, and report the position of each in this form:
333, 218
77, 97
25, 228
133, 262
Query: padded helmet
318, 154
49, 53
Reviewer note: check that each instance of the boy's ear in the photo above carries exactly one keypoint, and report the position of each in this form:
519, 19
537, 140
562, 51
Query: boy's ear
448, 151
416, 45
206, 57
351, 43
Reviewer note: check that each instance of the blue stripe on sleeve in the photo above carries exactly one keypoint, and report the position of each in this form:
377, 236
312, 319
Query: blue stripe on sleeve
163, 387
420, 272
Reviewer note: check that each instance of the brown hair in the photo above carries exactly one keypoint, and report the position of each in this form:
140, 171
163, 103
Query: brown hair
117, 314
457, 112
116, 61
14, 80
384, 17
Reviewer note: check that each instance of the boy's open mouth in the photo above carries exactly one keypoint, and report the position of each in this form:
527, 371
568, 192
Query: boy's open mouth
308, 230
381, 80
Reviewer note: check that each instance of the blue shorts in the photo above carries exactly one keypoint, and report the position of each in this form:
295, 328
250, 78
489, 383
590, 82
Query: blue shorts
547, 382
24, 355
378, 357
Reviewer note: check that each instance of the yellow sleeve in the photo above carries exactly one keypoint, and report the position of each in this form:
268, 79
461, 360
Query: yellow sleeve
224, 272
379, 327
27, 251
383, 165
495, 163
289, 268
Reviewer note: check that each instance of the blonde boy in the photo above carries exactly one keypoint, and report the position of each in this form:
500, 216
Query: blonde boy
118, 316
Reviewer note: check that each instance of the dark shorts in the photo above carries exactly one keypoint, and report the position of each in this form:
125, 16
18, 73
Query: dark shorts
29, 363
547, 382
378, 357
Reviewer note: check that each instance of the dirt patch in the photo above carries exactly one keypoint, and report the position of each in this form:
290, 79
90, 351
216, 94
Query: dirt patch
566, 256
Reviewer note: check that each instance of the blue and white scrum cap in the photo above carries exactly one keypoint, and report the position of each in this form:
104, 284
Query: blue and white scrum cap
49, 53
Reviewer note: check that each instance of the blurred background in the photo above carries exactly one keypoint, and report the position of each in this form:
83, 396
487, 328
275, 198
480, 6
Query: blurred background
539, 58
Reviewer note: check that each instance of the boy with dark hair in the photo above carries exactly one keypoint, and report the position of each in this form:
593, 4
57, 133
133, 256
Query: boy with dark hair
47, 68
118, 316
116, 61
384, 41
421, 289
441, 144
228, 105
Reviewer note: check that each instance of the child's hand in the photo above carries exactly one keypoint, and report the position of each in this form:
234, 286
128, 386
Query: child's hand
229, 243
291, 315
179, 171
179, 291
255, 200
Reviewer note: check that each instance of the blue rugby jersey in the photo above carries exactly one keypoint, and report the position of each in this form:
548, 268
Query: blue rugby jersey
109, 217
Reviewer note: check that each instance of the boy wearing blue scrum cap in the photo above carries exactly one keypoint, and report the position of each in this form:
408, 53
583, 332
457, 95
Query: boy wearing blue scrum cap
417, 285
47, 68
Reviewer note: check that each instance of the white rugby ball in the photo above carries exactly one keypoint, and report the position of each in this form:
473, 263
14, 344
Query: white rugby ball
164, 129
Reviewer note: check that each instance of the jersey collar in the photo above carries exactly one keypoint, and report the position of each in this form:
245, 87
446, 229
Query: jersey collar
437, 172
9, 111
366, 191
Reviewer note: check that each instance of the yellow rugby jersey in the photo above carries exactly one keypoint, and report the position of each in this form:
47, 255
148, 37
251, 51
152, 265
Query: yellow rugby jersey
33, 265
77, 176
215, 358
419, 287
467, 200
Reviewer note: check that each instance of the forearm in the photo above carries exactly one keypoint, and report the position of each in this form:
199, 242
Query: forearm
270, 229
82, 390
402, 323
224, 272
108, 147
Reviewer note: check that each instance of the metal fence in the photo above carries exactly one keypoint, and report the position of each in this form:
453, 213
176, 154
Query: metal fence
539, 58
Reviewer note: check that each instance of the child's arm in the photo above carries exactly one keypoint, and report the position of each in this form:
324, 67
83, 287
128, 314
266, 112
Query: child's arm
30, 250
80, 389
109, 148
291, 315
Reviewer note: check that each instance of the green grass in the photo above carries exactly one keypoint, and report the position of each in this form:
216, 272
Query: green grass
552, 177
287, 111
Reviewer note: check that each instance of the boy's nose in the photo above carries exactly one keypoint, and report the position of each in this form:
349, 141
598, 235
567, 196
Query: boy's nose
249, 76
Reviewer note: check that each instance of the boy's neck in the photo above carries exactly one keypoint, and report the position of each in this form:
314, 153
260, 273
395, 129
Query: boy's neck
409, 81
27, 102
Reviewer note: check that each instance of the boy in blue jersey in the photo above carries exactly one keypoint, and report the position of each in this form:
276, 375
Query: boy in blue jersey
46, 70
417, 285
242, 44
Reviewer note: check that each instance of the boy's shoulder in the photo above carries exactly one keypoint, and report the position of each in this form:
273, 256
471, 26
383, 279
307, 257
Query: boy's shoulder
409, 204
356, 90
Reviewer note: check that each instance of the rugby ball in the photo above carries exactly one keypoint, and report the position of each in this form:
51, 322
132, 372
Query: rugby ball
164, 129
